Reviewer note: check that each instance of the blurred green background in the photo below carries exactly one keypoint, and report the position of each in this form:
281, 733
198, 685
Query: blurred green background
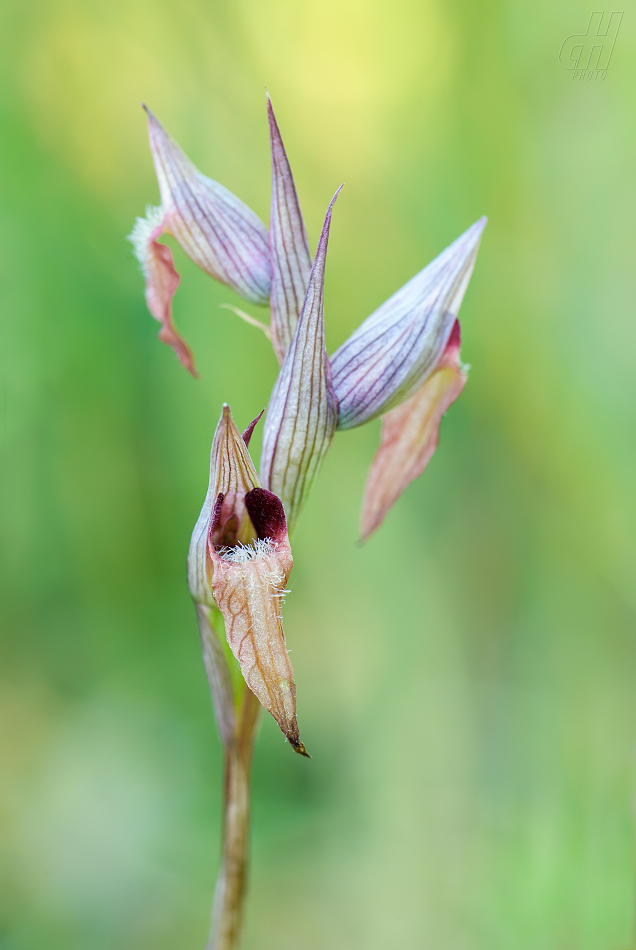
466, 681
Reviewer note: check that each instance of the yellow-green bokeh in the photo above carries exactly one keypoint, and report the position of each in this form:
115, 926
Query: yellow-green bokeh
466, 682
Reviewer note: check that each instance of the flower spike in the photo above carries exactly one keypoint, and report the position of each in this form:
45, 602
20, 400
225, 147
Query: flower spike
410, 434
240, 561
303, 409
289, 247
390, 355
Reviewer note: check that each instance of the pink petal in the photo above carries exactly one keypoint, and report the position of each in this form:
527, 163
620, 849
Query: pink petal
249, 594
410, 434
162, 281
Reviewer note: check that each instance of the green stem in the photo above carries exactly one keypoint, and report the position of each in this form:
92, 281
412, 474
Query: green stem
229, 895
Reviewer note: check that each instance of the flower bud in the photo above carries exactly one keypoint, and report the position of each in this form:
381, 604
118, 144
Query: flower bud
240, 561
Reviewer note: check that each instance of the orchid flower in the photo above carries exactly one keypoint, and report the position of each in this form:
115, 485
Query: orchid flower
240, 561
401, 364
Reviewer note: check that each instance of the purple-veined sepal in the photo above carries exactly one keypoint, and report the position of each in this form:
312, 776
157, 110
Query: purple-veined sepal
303, 410
289, 246
214, 227
390, 355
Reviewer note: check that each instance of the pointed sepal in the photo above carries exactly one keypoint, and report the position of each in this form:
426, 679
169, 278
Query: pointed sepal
289, 246
303, 409
214, 227
410, 434
390, 355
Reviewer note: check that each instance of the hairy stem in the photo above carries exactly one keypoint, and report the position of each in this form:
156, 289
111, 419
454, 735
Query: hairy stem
229, 895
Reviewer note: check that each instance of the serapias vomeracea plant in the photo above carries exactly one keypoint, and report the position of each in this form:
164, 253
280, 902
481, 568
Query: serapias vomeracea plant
401, 364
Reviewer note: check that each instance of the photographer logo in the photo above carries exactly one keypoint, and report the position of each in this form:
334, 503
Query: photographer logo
588, 54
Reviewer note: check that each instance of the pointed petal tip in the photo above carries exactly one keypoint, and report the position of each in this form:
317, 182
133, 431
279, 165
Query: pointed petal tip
331, 204
473, 233
298, 747
476, 230
274, 131
247, 434
338, 190
324, 236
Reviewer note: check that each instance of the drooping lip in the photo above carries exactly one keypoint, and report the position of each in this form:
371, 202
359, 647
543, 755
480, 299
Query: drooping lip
248, 584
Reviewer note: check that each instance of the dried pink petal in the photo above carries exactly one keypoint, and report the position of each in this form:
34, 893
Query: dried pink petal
162, 280
410, 434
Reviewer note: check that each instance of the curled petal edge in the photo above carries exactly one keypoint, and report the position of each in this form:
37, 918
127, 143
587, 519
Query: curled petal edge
162, 280
410, 435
